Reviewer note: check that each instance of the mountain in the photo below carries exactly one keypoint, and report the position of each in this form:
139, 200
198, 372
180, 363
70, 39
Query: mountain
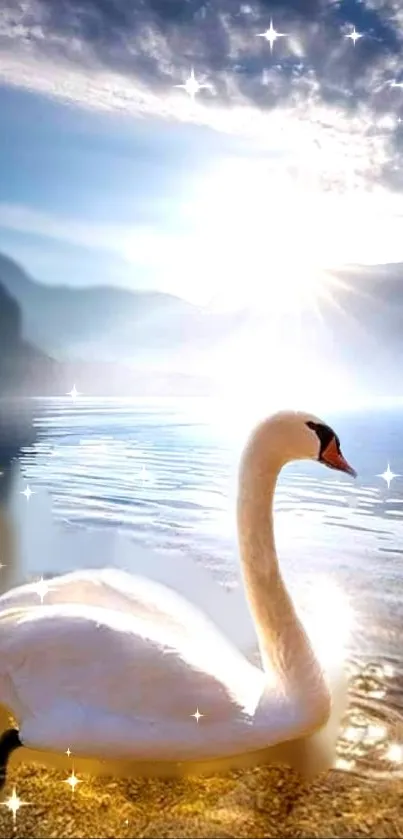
107, 340
105, 323
111, 341
24, 369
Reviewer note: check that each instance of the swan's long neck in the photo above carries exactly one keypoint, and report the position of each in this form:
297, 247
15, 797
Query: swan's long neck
282, 639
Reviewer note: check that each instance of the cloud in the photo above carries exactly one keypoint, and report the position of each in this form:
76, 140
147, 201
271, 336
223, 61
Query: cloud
140, 244
288, 231
332, 97
26, 220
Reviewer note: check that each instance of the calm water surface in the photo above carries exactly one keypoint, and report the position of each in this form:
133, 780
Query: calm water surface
165, 472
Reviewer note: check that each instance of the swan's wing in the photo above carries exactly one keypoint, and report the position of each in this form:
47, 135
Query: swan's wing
101, 682
116, 590
166, 615
99, 685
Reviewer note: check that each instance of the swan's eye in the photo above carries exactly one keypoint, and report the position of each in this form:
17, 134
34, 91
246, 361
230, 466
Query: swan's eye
325, 435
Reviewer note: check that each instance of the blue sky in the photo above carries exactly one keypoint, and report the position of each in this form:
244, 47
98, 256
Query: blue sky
289, 157
90, 173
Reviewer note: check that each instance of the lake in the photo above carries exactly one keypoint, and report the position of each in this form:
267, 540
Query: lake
164, 473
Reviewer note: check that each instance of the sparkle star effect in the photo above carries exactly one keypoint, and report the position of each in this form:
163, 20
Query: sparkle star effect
192, 86
68, 752
354, 35
72, 781
388, 476
197, 715
73, 393
27, 492
271, 35
13, 804
41, 588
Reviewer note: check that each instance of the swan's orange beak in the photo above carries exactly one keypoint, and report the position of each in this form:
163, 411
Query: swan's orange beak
333, 458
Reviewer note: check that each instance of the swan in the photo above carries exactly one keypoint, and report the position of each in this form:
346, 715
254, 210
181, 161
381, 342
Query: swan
113, 667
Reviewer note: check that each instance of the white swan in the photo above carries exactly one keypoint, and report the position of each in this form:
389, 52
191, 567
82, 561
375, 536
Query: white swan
117, 668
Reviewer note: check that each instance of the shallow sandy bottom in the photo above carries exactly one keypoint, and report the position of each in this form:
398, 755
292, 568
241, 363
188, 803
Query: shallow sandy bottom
262, 802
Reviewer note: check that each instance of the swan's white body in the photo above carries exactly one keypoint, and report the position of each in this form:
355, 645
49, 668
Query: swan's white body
112, 666
115, 666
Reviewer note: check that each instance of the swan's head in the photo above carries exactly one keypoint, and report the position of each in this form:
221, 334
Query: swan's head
302, 436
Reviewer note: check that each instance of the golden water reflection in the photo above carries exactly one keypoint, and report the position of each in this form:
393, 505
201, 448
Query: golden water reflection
371, 737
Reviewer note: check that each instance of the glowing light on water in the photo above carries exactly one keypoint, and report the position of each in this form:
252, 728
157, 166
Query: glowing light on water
144, 475
353, 735
394, 753
344, 765
363, 738
375, 733
377, 693
379, 672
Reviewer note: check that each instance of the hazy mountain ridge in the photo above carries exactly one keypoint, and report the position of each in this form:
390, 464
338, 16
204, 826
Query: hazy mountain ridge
26, 370
23, 367
125, 330
106, 323
111, 341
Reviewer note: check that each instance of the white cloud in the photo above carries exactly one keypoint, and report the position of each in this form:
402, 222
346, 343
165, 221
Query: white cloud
137, 244
326, 143
26, 220
322, 147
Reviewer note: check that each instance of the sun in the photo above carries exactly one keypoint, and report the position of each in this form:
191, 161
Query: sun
277, 279
265, 244
287, 286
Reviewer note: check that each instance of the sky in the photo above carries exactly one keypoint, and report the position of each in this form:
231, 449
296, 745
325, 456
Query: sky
285, 163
